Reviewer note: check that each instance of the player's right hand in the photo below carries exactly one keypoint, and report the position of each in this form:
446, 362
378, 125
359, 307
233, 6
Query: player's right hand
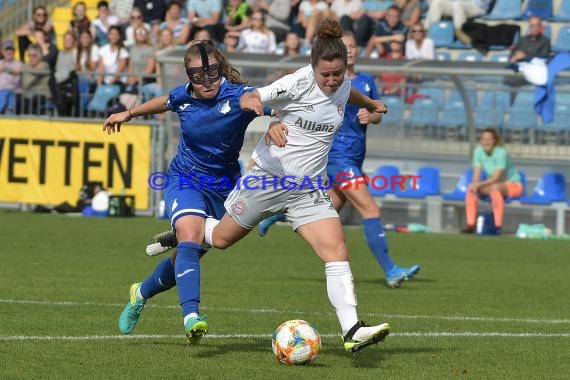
115, 121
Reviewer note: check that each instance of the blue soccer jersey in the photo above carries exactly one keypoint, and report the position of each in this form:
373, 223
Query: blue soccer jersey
211, 135
350, 141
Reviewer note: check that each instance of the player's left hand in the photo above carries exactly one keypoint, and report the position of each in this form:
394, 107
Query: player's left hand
363, 116
250, 101
277, 134
377, 106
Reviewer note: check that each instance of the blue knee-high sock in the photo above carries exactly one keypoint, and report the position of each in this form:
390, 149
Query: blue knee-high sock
187, 269
160, 280
376, 239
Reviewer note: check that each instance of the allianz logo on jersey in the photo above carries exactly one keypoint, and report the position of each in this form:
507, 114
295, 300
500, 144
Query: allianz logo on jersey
310, 125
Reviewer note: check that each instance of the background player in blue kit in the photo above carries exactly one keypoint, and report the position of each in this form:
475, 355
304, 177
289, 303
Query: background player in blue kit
212, 128
347, 156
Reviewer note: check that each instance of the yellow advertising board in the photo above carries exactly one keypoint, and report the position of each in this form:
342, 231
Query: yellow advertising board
47, 162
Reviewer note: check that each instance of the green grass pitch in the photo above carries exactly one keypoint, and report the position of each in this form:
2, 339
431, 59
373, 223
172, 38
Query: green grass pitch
480, 308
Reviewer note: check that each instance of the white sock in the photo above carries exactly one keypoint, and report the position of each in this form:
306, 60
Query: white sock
138, 294
191, 315
211, 223
340, 288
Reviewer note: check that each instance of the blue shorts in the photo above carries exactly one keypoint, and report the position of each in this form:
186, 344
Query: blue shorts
183, 199
343, 170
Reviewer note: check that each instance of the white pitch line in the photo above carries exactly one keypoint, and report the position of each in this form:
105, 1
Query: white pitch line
432, 334
275, 311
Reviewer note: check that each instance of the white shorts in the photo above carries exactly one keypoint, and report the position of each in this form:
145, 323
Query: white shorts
259, 195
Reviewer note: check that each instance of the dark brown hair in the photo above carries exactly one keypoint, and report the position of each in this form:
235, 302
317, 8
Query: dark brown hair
226, 68
328, 45
496, 135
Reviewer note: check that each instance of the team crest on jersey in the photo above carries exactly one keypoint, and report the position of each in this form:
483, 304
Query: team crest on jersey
224, 107
340, 109
239, 207
309, 108
278, 92
367, 87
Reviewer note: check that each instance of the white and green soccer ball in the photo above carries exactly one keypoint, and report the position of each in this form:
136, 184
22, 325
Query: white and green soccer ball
296, 342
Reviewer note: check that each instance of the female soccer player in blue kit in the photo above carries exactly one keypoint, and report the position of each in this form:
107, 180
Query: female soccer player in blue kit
212, 129
347, 156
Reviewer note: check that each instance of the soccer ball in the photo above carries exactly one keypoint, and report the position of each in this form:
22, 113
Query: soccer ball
296, 342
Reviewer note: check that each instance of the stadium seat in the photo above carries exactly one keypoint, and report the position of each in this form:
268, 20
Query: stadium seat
563, 12
550, 188
441, 33
524, 98
103, 95
563, 98
442, 56
505, 10
541, 8
555, 131
395, 110
452, 115
562, 42
424, 112
434, 93
383, 186
458, 194
501, 58
491, 111
470, 56
455, 96
427, 184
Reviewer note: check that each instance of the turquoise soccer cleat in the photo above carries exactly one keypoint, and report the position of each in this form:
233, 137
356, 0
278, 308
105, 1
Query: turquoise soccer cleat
132, 311
265, 224
362, 335
196, 328
407, 272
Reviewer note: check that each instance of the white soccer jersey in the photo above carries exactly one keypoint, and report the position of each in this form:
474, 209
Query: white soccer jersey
312, 117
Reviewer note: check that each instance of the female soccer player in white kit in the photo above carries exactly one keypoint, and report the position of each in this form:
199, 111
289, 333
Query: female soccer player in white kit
311, 103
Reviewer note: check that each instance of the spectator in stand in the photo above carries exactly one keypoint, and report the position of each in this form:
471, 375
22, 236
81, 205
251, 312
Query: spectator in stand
101, 25
365, 21
347, 11
179, 25
142, 67
258, 38
202, 35
393, 83
40, 21
206, 14
80, 22
237, 15
459, 11
35, 83
231, 40
49, 50
310, 12
86, 58
65, 90
113, 59
411, 11
166, 41
390, 29
135, 20
153, 10
534, 44
277, 17
10, 78
419, 46
292, 47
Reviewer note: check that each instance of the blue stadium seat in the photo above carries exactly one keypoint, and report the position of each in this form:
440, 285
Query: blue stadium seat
562, 42
521, 120
424, 112
442, 33
455, 96
458, 194
395, 110
452, 115
505, 10
563, 12
436, 94
501, 58
563, 98
541, 8
491, 110
524, 98
550, 188
103, 94
427, 184
442, 56
470, 56
383, 186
